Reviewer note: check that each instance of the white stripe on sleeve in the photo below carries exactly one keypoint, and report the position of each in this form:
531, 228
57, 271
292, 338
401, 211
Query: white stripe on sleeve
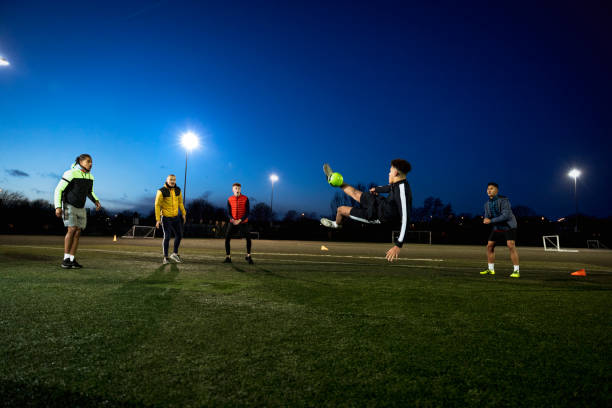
402, 187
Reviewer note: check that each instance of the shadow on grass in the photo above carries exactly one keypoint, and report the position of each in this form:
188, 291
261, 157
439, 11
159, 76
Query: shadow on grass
268, 272
136, 311
237, 269
19, 394
164, 274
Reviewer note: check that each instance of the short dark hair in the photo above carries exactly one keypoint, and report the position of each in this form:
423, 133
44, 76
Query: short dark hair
401, 165
491, 183
237, 184
82, 157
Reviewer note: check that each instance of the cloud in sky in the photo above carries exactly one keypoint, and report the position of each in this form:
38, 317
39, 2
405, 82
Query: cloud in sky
17, 173
51, 175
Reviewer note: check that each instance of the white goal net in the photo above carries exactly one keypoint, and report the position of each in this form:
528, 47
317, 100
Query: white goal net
140, 231
413, 237
551, 243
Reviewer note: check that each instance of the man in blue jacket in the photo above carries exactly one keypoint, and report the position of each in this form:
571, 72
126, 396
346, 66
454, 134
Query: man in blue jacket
498, 213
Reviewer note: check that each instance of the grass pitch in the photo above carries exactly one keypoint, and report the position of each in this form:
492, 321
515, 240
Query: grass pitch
301, 327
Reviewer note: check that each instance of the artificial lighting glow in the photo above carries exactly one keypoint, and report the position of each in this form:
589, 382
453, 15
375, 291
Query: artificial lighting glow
575, 173
274, 178
4, 62
190, 140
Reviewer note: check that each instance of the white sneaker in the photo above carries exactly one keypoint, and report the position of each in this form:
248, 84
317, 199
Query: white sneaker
176, 258
329, 223
165, 261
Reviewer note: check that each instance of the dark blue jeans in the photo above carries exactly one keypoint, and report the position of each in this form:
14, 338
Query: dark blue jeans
172, 225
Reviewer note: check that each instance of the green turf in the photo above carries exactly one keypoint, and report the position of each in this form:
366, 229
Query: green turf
297, 331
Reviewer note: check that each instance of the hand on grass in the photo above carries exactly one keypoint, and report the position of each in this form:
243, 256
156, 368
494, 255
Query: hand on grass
393, 253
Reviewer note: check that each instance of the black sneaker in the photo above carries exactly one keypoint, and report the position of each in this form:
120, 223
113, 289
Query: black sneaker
227, 260
249, 260
76, 265
67, 263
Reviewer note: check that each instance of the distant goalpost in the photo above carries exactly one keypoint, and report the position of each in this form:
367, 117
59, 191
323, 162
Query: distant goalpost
551, 243
140, 231
414, 237
595, 244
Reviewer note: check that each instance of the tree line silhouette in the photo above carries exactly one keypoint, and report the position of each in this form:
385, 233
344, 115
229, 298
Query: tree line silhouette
19, 215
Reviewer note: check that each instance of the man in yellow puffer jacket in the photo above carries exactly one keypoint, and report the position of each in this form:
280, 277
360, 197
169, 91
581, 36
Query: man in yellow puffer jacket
168, 202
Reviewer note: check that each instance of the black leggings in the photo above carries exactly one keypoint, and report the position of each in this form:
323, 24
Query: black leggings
174, 225
245, 232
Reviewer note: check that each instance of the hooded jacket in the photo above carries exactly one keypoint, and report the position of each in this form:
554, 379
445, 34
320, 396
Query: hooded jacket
74, 188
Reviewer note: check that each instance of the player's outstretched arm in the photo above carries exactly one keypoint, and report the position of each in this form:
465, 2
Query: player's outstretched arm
393, 253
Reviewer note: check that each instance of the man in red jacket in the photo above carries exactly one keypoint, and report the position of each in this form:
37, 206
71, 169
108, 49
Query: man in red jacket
238, 211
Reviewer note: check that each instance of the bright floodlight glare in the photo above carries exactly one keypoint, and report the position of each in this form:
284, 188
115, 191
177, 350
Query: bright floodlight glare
4, 62
575, 173
190, 140
273, 178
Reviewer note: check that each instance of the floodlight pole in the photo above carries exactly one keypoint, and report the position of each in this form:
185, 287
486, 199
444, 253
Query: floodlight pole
185, 184
271, 198
576, 201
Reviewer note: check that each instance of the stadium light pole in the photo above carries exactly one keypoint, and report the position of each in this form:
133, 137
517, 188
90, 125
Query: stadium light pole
575, 173
273, 179
190, 141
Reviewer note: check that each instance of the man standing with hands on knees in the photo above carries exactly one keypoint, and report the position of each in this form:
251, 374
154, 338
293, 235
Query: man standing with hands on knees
168, 202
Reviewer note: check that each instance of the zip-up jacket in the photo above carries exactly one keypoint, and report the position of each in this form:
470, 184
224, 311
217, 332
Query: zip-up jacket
74, 188
396, 206
168, 201
499, 211
238, 208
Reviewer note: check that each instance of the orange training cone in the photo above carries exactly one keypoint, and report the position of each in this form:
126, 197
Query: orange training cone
580, 272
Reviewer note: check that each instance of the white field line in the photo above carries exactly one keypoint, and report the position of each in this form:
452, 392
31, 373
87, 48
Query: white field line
350, 263
214, 257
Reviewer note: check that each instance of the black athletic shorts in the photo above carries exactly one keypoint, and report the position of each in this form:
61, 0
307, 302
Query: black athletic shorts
506, 235
369, 207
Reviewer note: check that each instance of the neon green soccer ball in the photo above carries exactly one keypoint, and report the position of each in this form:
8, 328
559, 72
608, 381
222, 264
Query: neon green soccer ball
336, 179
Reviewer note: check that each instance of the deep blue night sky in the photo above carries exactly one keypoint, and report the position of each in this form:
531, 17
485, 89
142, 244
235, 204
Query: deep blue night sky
467, 94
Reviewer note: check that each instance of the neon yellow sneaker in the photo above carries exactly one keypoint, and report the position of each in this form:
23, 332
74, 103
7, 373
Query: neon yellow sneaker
515, 274
487, 272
